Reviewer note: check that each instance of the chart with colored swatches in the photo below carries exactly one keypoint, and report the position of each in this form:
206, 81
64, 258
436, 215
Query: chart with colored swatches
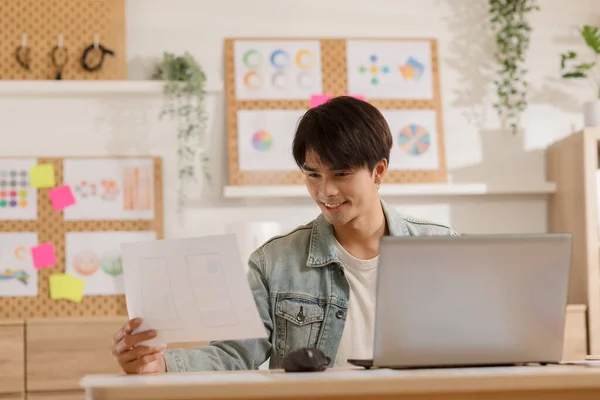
14, 185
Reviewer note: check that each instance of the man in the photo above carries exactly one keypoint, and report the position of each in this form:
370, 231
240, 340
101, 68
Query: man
315, 286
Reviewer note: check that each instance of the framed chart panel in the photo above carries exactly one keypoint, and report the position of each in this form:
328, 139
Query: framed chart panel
113, 200
270, 81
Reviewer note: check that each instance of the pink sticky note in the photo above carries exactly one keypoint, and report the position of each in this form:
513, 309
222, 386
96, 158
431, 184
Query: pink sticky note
318, 99
357, 96
43, 255
61, 197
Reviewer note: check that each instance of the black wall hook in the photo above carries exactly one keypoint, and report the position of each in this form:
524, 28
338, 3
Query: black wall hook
60, 57
22, 54
103, 51
23, 57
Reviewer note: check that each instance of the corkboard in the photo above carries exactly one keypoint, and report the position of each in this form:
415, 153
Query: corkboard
334, 82
78, 21
51, 227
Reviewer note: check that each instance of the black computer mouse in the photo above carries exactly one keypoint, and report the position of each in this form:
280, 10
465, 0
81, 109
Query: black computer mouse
305, 360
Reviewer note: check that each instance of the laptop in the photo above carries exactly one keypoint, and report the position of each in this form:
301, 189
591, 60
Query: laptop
476, 300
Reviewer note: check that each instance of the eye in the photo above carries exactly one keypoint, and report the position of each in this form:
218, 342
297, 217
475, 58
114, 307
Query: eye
313, 175
342, 174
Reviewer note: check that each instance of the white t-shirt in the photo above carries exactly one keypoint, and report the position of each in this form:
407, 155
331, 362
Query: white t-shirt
357, 338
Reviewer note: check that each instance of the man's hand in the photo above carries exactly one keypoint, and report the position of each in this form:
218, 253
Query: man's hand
135, 359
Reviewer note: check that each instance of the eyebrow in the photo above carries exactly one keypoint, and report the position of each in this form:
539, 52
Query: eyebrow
312, 169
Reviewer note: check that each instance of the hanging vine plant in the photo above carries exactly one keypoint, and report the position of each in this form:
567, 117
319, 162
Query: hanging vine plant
509, 20
184, 91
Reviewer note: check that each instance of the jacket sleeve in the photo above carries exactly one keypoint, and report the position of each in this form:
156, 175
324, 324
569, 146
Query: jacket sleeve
232, 355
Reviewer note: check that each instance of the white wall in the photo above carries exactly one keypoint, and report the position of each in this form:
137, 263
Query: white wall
476, 149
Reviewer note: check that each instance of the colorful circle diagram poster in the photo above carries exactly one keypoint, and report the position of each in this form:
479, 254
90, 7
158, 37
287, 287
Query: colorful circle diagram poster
96, 258
415, 138
390, 69
277, 69
18, 276
265, 139
110, 188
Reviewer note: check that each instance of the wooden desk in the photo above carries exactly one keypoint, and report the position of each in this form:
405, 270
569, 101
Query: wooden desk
499, 383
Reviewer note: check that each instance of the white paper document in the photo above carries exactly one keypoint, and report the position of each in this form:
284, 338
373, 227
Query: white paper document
188, 290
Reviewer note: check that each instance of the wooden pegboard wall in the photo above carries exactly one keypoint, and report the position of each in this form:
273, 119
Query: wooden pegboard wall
334, 82
78, 21
51, 227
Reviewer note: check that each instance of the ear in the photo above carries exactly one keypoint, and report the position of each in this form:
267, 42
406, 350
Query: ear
380, 171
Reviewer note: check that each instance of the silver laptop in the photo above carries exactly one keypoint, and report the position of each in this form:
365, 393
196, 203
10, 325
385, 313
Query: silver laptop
470, 300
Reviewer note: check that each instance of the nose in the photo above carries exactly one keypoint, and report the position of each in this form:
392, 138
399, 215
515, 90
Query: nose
329, 188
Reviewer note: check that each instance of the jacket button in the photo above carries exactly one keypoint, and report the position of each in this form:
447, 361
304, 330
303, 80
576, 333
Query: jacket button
339, 314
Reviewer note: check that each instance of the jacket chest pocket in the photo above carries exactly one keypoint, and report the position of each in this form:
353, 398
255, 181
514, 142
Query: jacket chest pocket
298, 324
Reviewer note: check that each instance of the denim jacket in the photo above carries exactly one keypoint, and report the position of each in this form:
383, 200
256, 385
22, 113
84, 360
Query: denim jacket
302, 297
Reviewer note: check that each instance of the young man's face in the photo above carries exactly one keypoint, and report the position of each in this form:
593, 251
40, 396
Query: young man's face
342, 195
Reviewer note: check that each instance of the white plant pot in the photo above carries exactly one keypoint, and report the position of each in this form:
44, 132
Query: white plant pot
591, 113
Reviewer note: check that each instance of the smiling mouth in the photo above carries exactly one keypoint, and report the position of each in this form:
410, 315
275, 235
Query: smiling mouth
333, 206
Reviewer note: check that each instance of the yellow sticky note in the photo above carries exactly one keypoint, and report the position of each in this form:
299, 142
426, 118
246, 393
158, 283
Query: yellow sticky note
66, 287
42, 176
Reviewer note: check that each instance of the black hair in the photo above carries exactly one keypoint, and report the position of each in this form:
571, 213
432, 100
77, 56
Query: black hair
345, 132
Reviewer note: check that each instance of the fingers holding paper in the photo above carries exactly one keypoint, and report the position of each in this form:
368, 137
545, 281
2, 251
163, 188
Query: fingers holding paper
134, 358
142, 360
131, 340
127, 329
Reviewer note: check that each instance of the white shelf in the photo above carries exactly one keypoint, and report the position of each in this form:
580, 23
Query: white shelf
399, 190
15, 88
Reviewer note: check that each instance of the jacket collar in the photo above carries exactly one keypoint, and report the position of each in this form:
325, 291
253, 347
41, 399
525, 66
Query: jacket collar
322, 239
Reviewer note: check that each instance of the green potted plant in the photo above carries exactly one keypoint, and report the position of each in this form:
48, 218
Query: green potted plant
572, 66
184, 91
